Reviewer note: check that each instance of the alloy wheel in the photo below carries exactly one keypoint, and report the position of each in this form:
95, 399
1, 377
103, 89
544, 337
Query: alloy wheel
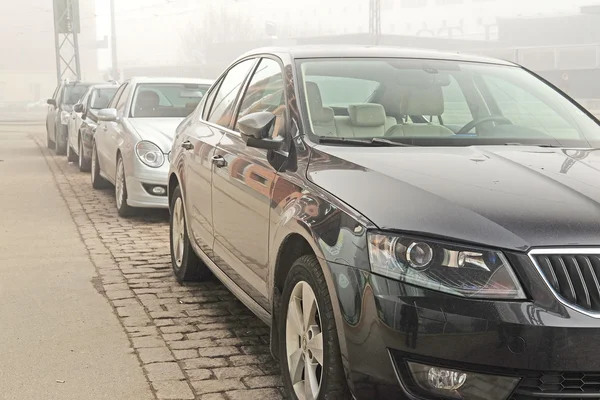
93, 168
304, 342
177, 233
80, 157
120, 183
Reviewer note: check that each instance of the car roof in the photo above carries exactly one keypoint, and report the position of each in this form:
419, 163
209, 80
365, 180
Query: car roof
144, 79
356, 51
105, 86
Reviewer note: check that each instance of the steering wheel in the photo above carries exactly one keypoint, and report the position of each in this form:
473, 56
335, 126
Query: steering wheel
476, 122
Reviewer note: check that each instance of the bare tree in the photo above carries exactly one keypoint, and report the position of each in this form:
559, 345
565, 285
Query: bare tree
219, 25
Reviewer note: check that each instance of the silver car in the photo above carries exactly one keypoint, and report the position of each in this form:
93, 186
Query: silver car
133, 139
83, 121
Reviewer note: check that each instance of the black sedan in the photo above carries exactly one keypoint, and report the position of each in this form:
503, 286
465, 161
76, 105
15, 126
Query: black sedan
412, 225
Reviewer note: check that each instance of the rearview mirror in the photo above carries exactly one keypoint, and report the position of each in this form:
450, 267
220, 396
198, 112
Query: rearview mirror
78, 108
51, 102
108, 115
255, 129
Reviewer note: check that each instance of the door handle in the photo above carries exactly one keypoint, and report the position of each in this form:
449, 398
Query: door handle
219, 161
187, 145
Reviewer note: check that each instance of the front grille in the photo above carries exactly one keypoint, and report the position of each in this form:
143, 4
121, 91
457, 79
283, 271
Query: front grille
574, 278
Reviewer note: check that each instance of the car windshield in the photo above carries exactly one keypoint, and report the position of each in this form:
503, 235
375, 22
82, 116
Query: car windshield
101, 97
166, 100
439, 103
73, 93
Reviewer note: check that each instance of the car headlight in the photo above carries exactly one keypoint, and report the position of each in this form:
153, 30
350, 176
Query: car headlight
64, 117
450, 268
150, 154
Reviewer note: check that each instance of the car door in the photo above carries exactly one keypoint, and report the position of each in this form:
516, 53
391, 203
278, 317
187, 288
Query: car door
51, 116
102, 137
242, 182
75, 121
202, 138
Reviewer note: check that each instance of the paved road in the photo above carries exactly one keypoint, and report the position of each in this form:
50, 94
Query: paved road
193, 342
59, 337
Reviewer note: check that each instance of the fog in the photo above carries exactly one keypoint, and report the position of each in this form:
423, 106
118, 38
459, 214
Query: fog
559, 39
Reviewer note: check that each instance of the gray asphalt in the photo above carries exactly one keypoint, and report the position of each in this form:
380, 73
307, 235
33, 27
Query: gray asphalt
59, 338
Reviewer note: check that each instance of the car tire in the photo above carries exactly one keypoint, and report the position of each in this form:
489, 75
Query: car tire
98, 182
84, 163
71, 156
123, 208
49, 142
59, 148
315, 344
187, 266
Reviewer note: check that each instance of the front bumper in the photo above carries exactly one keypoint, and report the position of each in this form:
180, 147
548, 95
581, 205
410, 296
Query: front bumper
384, 323
141, 179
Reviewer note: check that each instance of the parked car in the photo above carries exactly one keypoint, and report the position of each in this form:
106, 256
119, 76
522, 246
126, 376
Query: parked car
411, 224
83, 122
134, 136
59, 112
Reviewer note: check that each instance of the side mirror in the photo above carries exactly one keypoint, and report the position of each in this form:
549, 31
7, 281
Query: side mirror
78, 108
255, 129
108, 115
51, 102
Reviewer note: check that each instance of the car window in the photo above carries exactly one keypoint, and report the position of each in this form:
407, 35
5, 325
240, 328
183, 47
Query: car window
165, 100
122, 102
525, 109
207, 102
442, 102
456, 109
341, 91
265, 93
74, 93
100, 98
117, 96
223, 106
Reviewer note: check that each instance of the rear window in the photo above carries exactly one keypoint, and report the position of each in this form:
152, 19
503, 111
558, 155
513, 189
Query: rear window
166, 100
341, 91
101, 98
73, 93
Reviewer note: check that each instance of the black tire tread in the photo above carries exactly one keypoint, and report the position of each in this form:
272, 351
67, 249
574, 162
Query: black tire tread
98, 182
192, 267
125, 210
334, 385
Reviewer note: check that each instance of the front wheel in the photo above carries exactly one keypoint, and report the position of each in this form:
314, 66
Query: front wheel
84, 163
71, 156
59, 148
121, 190
187, 266
309, 347
98, 182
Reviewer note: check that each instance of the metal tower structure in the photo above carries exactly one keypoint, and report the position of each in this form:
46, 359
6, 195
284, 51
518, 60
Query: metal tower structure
66, 29
375, 20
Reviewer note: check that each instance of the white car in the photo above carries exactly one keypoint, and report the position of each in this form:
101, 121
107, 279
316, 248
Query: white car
83, 120
134, 136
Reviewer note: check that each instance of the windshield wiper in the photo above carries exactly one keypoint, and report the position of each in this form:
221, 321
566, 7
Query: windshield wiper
360, 142
534, 144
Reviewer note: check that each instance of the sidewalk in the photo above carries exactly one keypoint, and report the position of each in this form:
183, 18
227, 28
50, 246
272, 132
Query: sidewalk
59, 338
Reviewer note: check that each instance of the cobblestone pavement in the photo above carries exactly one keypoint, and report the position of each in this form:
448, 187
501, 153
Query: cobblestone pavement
193, 342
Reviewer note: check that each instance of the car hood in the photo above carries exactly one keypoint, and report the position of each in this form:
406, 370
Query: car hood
503, 196
159, 131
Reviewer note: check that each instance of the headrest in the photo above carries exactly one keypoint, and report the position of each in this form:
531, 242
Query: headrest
318, 113
147, 99
423, 101
368, 114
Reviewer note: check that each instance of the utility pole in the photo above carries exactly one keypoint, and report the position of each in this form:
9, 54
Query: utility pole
113, 41
66, 29
375, 20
